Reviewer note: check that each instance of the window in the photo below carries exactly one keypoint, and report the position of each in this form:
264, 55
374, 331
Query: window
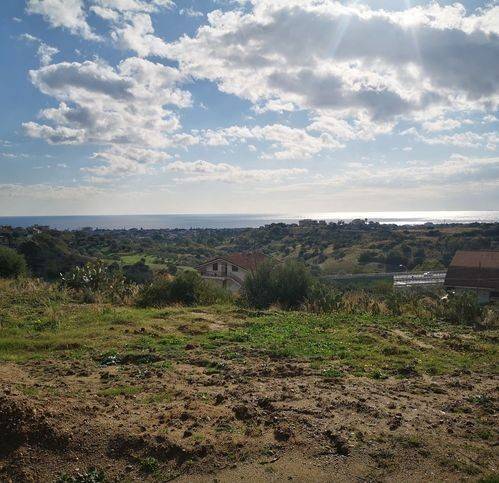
235, 269
215, 267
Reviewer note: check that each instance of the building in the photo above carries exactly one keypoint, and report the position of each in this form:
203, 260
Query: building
231, 270
476, 271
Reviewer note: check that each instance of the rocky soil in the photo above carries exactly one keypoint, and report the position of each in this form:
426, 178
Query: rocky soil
254, 419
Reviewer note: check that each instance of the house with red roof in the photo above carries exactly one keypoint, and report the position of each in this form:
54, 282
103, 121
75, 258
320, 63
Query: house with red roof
230, 270
475, 271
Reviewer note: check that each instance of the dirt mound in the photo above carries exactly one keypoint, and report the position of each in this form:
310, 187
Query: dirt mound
21, 424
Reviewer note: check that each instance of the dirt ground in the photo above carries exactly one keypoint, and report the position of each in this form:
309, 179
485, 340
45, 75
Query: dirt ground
225, 421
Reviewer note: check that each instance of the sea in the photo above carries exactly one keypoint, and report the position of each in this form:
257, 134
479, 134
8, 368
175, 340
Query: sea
244, 220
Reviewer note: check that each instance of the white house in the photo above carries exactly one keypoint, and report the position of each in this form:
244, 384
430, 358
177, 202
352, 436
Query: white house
231, 270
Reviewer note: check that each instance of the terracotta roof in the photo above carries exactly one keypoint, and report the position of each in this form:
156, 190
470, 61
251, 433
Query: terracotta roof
474, 269
248, 261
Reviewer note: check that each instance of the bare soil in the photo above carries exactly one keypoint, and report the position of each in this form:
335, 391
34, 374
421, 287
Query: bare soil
262, 420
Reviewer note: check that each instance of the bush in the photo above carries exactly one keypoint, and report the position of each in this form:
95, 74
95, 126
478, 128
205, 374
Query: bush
210, 293
157, 294
323, 298
95, 280
138, 273
258, 289
286, 284
12, 264
461, 308
187, 288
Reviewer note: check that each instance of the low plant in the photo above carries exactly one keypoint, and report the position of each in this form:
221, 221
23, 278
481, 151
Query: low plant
322, 298
460, 308
187, 288
95, 280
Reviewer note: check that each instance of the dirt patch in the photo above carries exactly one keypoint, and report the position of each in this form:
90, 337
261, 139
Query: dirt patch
257, 419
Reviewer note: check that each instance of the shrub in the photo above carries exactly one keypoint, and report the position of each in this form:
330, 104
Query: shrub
461, 308
322, 298
287, 284
187, 288
258, 288
210, 293
12, 264
369, 256
157, 294
95, 280
292, 282
139, 272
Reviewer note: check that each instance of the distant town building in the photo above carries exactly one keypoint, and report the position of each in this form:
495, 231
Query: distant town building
231, 270
476, 271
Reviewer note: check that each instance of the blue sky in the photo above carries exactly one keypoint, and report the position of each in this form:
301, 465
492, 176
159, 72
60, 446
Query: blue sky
160, 106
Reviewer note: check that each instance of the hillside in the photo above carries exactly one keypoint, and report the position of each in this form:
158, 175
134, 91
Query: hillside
356, 247
117, 393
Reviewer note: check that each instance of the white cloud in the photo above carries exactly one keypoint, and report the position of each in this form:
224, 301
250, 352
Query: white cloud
99, 103
467, 139
54, 135
45, 52
136, 33
190, 12
68, 14
287, 142
197, 171
441, 124
149, 6
120, 161
348, 61
47, 192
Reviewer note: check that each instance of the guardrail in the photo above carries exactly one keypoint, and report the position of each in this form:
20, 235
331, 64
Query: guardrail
353, 276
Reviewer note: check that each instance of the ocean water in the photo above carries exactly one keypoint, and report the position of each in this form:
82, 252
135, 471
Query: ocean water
243, 220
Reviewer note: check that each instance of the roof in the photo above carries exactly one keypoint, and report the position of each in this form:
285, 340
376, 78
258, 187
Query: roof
248, 261
474, 269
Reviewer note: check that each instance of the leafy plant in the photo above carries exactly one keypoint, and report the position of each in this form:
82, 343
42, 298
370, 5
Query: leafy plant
12, 264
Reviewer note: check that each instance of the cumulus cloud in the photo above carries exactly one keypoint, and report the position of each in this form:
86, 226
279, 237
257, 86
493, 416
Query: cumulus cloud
69, 14
197, 171
120, 161
350, 60
99, 103
288, 142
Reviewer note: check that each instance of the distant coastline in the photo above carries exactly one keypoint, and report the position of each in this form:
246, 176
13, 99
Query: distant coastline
186, 221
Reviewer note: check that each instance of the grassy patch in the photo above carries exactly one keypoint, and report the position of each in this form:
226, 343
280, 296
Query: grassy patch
119, 391
39, 322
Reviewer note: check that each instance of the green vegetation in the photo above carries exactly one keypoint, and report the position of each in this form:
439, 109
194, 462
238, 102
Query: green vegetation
91, 476
12, 264
187, 288
285, 284
326, 248
149, 465
42, 321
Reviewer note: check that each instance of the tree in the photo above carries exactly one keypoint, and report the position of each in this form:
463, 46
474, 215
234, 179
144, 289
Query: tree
12, 264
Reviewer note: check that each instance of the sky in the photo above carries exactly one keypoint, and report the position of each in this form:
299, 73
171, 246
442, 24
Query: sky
247, 106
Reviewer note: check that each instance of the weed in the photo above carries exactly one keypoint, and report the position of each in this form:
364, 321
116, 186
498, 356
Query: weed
93, 475
149, 465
